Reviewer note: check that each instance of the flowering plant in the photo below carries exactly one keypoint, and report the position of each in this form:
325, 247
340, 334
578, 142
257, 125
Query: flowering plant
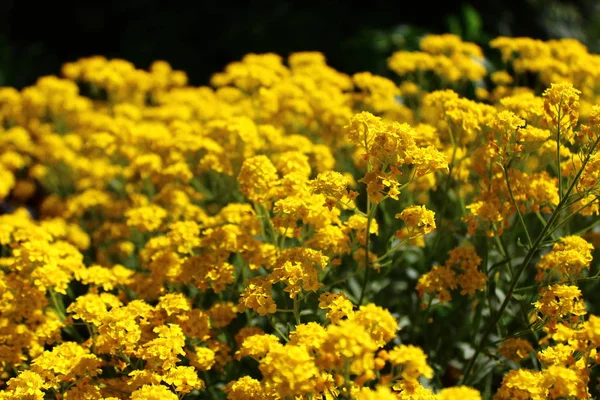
293, 232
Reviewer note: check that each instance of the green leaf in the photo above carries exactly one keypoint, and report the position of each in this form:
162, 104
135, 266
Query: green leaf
519, 297
473, 23
454, 25
354, 287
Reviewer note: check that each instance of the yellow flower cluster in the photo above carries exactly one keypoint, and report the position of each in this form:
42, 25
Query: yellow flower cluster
447, 56
294, 232
461, 269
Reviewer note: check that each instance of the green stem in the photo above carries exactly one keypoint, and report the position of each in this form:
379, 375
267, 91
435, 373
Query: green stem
282, 239
112, 389
512, 197
353, 209
570, 216
347, 376
270, 319
392, 250
62, 315
58, 305
344, 279
297, 310
587, 228
541, 218
589, 278
371, 214
266, 222
504, 253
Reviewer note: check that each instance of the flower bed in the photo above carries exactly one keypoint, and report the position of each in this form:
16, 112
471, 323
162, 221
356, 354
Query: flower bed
295, 232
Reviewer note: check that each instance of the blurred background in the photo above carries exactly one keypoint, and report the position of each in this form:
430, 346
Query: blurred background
37, 38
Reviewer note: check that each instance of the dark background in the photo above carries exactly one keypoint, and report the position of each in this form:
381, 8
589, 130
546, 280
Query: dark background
202, 37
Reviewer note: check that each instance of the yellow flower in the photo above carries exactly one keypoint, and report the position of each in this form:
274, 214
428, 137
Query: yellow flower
515, 349
560, 354
567, 382
337, 304
363, 128
333, 185
184, 379
93, 308
184, 236
558, 301
460, 269
561, 104
257, 176
290, 370
27, 386
107, 278
298, 268
173, 303
222, 313
378, 92
7, 182
163, 351
522, 384
440, 280
347, 343
411, 389
118, 329
418, 220
247, 388
203, 358
412, 360
309, 335
146, 218
357, 224
379, 322
459, 392
257, 296
257, 346
153, 392
379, 393
65, 362
568, 257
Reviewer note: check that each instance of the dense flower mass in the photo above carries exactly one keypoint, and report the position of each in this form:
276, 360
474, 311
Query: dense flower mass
294, 232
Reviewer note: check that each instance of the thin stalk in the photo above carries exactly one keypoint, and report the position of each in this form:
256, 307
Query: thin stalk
281, 243
587, 228
541, 218
371, 214
58, 306
512, 197
353, 209
496, 265
344, 279
589, 278
504, 253
111, 388
297, 310
393, 249
570, 216
277, 329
